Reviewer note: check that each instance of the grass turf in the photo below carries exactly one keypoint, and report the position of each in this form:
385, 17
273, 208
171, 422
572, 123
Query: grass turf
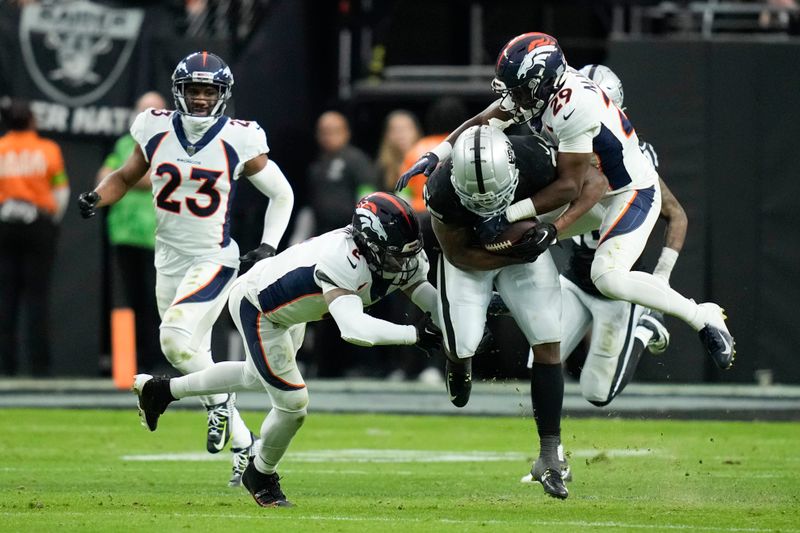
63, 470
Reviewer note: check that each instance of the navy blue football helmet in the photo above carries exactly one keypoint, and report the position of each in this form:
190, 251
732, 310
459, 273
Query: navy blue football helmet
528, 69
205, 68
387, 233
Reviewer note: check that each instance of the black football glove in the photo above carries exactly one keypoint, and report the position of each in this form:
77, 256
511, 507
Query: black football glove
424, 165
488, 229
87, 203
429, 336
262, 252
535, 242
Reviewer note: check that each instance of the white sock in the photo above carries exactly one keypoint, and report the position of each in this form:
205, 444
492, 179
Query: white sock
650, 291
277, 431
218, 380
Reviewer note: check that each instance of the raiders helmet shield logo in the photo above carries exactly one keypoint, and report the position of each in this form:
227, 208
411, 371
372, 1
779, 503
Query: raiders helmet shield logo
76, 51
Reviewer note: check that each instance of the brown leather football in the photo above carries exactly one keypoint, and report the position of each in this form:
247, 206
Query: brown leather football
510, 236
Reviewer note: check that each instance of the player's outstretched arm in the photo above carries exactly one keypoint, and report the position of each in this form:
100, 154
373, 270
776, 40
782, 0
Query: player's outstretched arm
268, 178
114, 186
357, 327
677, 224
455, 242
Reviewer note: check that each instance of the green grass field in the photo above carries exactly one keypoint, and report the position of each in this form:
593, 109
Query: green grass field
77, 470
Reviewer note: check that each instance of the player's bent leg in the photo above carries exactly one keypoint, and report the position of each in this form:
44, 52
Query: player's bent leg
628, 223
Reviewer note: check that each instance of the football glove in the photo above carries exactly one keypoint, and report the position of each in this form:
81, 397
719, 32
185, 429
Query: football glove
429, 336
424, 165
87, 203
262, 252
535, 242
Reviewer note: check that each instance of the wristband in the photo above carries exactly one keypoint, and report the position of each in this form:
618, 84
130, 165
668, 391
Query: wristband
519, 210
665, 263
442, 150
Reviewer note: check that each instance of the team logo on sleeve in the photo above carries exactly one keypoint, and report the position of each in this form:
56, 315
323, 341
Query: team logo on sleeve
76, 51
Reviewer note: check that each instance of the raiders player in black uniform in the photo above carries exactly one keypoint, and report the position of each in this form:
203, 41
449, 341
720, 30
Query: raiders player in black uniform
487, 172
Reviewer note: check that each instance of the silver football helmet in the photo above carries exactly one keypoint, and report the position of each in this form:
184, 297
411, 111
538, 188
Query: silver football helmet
485, 173
607, 80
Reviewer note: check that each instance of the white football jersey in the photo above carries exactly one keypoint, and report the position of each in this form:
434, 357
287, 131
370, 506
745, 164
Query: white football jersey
288, 288
194, 183
580, 118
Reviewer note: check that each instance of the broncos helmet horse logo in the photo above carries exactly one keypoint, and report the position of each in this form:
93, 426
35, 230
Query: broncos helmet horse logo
536, 57
374, 223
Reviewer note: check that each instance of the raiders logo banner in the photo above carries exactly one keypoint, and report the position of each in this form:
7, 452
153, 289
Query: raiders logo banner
74, 61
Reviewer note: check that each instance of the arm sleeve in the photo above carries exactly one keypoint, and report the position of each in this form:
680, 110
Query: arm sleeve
273, 184
359, 328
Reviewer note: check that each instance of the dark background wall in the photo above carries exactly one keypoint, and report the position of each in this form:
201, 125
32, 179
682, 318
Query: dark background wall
724, 116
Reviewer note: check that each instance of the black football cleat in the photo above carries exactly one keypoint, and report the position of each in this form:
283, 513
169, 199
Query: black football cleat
716, 339
264, 488
550, 478
563, 464
719, 344
458, 378
154, 397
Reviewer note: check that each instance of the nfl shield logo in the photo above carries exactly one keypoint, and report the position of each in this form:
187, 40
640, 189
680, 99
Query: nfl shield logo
76, 51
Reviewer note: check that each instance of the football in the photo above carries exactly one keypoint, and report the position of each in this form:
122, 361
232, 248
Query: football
510, 236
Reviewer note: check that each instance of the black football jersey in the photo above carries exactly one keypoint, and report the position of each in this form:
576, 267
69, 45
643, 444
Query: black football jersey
535, 161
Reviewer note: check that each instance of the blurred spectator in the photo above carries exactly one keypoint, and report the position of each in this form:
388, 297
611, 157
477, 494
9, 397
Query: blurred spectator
401, 130
131, 226
34, 192
339, 176
443, 116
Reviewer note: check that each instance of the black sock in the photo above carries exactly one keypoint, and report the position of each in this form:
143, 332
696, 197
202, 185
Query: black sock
164, 390
547, 397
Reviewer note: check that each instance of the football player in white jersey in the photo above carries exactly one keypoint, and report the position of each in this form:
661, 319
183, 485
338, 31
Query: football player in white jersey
195, 155
536, 86
620, 331
337, 274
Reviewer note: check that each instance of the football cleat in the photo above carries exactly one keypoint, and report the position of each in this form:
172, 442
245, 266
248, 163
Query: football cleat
154, 397
219, 424
654, 321
716, 339
264, 488
566, 471
459, 381
550, 478
241, 456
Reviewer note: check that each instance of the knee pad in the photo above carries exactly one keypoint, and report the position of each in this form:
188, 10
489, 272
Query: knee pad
175, 345
610, 283
291, 403
593, 392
